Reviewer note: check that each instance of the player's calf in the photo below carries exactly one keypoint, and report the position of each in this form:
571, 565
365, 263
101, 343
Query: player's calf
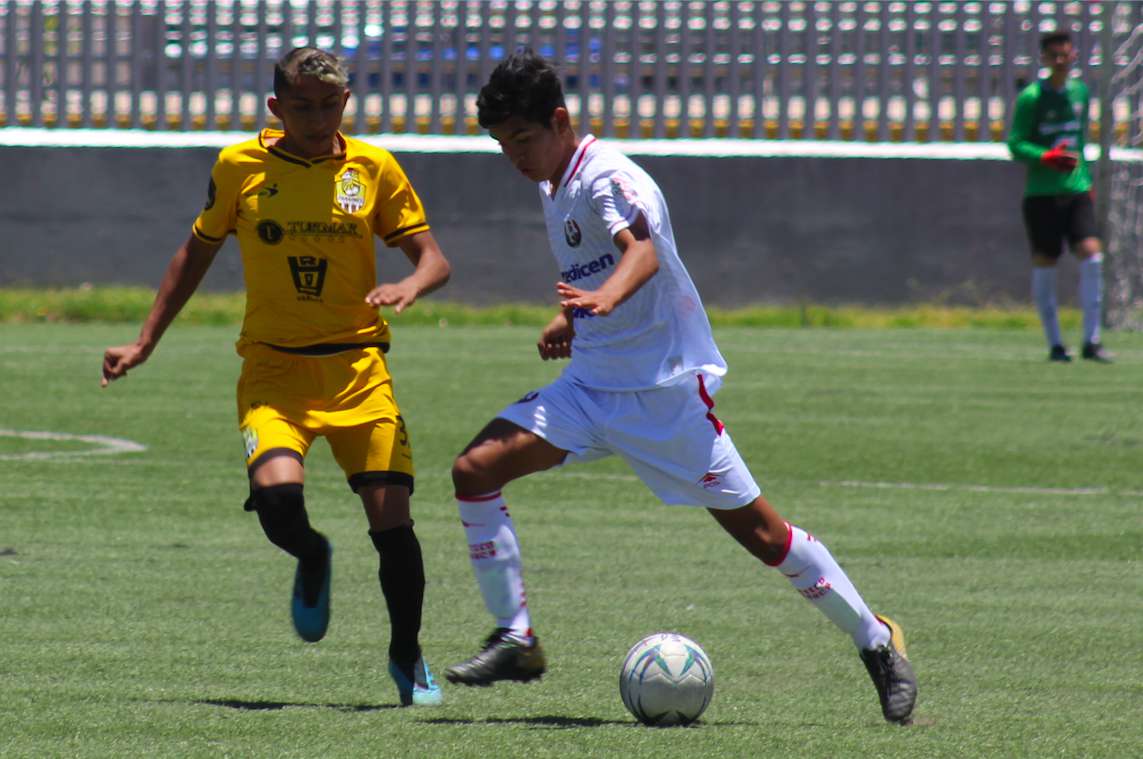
282, 513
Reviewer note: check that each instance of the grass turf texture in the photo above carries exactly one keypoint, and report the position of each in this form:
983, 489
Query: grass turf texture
145, 614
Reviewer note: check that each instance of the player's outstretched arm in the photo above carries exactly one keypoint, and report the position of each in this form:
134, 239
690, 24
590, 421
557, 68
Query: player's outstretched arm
184, 273
431, 271
638, 262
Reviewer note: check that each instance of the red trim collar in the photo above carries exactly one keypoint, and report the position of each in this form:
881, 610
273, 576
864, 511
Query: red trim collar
577, 159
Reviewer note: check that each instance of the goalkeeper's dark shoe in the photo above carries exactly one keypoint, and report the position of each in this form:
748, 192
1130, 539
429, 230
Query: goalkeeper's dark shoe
1059, 353
1096, 352
502, 658
309, 606
415, 685
892, 675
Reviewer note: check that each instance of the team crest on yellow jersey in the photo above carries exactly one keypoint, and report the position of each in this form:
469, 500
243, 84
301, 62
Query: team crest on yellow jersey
350, 191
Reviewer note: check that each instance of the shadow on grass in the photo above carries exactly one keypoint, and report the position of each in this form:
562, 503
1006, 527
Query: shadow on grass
548, 720
559, 722
264, 706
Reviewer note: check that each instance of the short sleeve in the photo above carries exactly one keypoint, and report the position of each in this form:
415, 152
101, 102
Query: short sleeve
219, 214
398, 212
615, 198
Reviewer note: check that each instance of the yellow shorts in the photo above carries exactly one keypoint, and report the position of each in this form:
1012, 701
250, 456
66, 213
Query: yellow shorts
287, 400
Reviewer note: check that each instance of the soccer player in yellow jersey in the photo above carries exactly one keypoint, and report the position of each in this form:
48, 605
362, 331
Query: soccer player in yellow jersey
305, 203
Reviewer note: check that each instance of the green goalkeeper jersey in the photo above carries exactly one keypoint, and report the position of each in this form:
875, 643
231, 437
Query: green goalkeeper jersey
1048, 118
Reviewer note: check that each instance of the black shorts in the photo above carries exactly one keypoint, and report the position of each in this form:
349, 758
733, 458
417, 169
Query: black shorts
1051, 219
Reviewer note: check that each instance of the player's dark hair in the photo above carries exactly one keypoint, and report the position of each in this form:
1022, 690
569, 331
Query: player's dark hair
308, 61
524, 84
1053, 38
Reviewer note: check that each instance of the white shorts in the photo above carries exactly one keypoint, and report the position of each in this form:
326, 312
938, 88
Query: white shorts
669, 436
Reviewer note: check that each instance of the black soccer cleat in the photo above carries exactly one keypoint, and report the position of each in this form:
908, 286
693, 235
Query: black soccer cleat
1059, 353
502, 658
892, 675
1096, 352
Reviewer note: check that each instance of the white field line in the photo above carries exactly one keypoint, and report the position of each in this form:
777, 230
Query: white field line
938, 487
942, 487
104, 446
59, 350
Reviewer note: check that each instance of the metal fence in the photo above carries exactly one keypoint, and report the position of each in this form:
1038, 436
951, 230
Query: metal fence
847, 69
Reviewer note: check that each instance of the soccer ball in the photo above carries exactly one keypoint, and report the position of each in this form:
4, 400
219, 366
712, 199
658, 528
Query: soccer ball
666, 679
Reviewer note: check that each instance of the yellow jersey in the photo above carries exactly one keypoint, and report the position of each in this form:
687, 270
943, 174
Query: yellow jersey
305, 229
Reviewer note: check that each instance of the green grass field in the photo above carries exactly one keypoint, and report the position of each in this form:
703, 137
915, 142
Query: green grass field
991, 502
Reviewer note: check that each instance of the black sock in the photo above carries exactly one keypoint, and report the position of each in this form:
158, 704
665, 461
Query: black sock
402, 576
282, 513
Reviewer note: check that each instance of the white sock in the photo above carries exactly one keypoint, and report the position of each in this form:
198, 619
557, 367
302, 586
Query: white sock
495, 556
811, 569
1091, 296
1044, 293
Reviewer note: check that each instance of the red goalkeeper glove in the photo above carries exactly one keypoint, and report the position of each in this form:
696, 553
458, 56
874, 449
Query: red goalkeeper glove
1059, 159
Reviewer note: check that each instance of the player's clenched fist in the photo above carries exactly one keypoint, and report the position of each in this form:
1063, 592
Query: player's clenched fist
117, 360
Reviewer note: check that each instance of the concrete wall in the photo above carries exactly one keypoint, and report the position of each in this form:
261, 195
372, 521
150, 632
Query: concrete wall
751, 230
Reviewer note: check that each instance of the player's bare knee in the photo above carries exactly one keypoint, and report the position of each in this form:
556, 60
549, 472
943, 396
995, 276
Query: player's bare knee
771, 541
468, 478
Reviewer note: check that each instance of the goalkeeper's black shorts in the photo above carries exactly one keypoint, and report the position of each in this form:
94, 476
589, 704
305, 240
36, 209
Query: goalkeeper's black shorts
1052, 219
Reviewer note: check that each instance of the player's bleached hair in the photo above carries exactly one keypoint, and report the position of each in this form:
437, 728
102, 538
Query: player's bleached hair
308, 62
524, 84
1054, 38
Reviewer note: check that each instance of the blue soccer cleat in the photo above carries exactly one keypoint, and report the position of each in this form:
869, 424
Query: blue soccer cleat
415, 684
309, 605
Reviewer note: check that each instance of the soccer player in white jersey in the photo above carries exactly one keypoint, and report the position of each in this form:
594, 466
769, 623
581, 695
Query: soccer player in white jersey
643, 369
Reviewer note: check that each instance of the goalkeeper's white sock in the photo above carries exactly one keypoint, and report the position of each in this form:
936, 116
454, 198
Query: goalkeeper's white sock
495, 556
812, 570
1091, 296
1044, 293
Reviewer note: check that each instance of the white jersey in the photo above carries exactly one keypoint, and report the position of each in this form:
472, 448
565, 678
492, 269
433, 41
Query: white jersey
661, 334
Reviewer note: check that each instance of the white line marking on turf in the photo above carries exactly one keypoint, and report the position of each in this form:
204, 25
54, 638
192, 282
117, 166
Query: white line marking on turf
969, 488
938, 487
105, 445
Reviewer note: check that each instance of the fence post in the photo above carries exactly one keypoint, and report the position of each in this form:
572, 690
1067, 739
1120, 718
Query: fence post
36, 70
1106, 128
759, 72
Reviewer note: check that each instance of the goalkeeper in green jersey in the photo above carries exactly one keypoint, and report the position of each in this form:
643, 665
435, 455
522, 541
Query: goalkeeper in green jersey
1048, 134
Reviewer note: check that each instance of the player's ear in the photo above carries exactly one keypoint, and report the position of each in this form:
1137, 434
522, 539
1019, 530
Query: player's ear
561, 120
274, 106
